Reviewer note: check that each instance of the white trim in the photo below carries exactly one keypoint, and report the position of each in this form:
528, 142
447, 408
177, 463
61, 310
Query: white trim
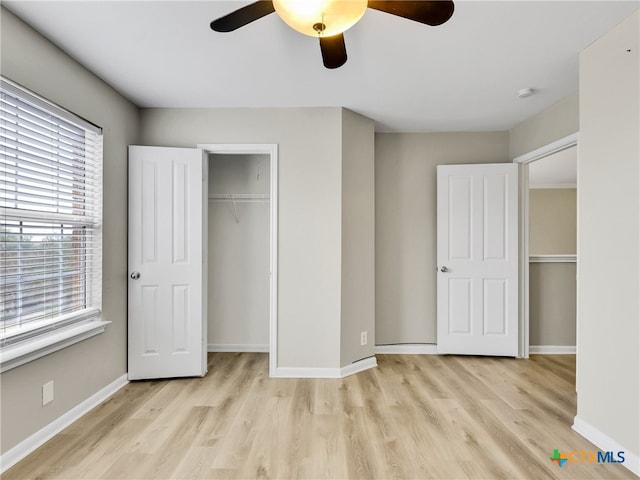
270, 149
238, 347
551, 186
301, 372
359, 366
407, 349
33, 328
568, 258
553, 349
12, 356
549, 149
606, 443
523, 250
544, 151
28, 445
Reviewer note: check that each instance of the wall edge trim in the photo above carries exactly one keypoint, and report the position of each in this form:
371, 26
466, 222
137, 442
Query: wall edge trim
553, 349
549, 149
304, 372
31, 443
605, 443
407, 349
359, 366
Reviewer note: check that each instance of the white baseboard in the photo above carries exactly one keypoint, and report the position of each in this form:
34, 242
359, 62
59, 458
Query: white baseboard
606, 443
553, 349
432, 349
295, 372
28, 445
232, 347
407, 349
359, 366
301, 372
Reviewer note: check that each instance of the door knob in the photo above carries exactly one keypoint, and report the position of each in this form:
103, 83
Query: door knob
135, 275
444, 269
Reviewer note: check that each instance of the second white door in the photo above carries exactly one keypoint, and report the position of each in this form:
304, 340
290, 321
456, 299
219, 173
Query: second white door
477, 252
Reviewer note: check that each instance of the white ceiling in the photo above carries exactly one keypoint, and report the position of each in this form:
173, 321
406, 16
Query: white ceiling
559, 170
460, 76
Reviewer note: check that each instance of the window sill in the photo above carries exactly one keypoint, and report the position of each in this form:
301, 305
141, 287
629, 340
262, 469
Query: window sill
13, 356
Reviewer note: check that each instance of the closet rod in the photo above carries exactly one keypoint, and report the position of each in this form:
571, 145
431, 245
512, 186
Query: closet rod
234, 198
240, 197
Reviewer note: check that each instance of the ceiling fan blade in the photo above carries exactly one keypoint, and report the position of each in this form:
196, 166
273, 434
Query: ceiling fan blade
334, 51
243, 16
431, 12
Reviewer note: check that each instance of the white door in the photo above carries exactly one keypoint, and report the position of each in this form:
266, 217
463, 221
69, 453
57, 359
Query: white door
477, 251
167, 263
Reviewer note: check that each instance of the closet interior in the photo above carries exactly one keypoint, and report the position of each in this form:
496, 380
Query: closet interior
238, 271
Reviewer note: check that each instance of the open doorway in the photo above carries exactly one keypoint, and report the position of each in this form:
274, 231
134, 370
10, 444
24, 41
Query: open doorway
242, 199
548, 247
238, 247
552, 252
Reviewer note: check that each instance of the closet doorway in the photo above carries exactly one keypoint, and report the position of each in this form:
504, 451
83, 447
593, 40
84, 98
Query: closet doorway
567, 143
552, 253
242, 248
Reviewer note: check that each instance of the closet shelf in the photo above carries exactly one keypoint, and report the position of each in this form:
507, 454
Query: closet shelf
234, 198
239, 197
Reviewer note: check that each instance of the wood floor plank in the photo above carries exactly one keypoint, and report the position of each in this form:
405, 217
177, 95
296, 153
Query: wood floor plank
412, 417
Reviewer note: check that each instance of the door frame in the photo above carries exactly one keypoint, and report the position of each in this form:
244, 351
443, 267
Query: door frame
270, 149
524, 161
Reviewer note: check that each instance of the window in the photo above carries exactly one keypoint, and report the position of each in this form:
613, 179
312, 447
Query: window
50, 221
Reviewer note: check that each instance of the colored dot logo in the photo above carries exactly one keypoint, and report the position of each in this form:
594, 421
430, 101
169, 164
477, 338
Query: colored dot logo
559, 458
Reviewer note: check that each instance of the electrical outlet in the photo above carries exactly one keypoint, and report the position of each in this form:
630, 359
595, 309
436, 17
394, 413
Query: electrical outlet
47, 393
363, 338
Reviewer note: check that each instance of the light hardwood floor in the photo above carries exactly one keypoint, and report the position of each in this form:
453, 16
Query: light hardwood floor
441, 417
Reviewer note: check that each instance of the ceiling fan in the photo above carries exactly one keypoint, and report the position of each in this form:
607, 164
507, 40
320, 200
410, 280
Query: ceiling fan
329, 19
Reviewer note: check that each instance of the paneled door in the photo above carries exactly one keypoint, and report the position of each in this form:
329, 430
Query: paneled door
167, 263
477, 252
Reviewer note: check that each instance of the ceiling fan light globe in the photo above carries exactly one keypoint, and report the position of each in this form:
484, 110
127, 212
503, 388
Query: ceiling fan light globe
336, 15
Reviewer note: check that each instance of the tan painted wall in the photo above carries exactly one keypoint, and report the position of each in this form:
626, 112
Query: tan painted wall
552, 304
358, 237
405, 200
608, 365
552, 221
238, 282
83, 369
554, 123
552, 286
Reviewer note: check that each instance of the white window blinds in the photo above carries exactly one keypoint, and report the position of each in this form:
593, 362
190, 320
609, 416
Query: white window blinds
50, 216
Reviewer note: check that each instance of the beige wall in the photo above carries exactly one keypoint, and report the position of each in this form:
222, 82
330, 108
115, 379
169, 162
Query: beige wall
552, 221
238, 282
552, 304
552, 286
554, 123
608, 362
83, 369
405, 225
310, 191
358, 238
